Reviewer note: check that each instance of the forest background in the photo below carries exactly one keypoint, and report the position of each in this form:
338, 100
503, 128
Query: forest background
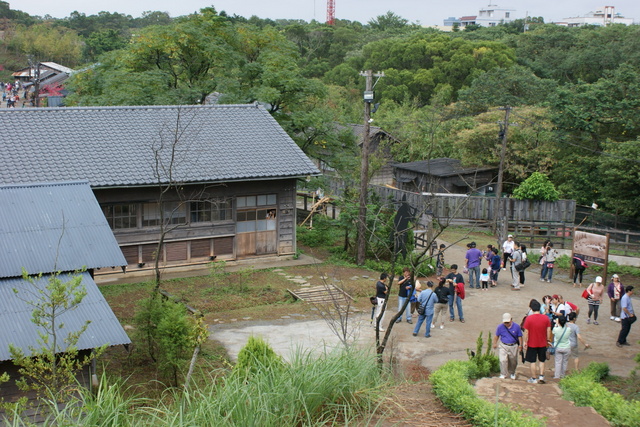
575, 92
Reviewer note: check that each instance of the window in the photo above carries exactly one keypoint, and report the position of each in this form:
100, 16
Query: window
211, 210
174, 213
121, 217
256, 213
507, 14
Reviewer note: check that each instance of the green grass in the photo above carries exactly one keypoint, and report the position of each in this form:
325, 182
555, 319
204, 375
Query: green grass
333, 389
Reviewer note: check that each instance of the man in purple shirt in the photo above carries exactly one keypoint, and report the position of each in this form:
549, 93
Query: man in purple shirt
508, 341
627, 316
472, 262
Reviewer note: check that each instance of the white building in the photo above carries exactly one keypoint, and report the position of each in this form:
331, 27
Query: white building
489, 16
603, 16
493, 15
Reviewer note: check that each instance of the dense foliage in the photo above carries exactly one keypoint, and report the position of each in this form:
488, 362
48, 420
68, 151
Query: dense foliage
575, 92
584, 388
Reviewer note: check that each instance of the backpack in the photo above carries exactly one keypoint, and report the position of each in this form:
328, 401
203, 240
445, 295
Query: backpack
460, 290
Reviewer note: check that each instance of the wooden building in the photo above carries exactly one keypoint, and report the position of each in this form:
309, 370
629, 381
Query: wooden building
444, 175
221, 177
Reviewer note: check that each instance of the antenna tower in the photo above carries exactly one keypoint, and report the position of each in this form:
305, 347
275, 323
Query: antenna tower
331, 12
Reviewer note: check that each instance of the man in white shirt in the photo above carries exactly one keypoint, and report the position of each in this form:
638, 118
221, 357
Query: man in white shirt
507, 249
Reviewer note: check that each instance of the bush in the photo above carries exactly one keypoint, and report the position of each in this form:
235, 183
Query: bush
255, 356
451, 385
584, 389
483, 365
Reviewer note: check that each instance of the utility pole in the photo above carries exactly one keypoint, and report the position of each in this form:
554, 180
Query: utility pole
361, 245
504, 131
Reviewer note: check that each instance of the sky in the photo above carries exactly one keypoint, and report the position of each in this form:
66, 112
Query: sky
425, 12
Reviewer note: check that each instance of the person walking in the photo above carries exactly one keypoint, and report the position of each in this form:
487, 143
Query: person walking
440, 308
536, 337
507, 249
381, 294
550, 256
426, 299
562, 345
523, 253
404, 292
579, 266
472, 262
627, 317
516, 259
596, 292
615, 291
574, 338
508, 341
440, 260
495, 268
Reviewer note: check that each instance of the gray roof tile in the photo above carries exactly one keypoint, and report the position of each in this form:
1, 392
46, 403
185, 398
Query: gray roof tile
114, 146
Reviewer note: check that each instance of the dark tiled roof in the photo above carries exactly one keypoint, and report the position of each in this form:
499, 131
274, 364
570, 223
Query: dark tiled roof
19, 330
114, 146
33, 237
440, 167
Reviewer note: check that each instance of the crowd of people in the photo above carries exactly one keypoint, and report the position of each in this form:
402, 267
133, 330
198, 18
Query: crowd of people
11, 93
549, 328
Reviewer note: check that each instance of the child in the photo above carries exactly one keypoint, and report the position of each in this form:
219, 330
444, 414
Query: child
440, 260
484, 278
495, 267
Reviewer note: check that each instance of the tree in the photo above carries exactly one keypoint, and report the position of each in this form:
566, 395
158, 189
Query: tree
54, 363
47, 43
536, 187
388, 22
620, 170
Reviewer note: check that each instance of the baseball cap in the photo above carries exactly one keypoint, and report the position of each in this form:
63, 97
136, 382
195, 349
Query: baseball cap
554, 296
506, 318
598, 279
510, 235
615, 276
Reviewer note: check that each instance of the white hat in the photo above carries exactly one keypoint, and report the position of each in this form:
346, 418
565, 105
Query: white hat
615, 276
510, 235
598, 279
506, 318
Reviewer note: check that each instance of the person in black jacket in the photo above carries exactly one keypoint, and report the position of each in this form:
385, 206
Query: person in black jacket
442, 292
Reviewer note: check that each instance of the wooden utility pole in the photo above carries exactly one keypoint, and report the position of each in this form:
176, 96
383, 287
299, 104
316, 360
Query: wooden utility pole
361, 245
504, 131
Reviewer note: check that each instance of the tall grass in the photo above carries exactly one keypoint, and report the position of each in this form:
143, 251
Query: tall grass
334, 388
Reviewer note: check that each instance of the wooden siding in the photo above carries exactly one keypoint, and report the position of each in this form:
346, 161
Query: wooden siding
223, 246
131, 254
176, 251
201, 248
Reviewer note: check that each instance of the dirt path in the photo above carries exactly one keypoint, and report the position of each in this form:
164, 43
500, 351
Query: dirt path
483, 312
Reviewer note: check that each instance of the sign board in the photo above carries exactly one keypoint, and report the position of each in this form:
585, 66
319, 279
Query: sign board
592, 248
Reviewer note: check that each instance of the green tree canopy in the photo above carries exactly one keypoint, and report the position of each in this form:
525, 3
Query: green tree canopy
537, 187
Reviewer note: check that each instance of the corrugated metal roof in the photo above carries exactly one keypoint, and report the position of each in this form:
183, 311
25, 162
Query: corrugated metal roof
17, 328
54, 227
114, 146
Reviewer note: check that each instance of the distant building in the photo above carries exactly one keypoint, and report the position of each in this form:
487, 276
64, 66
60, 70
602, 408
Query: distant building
603, 16
489, 16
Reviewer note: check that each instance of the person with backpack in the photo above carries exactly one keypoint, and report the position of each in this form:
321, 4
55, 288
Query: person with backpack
508, 341
426, 308
579, 266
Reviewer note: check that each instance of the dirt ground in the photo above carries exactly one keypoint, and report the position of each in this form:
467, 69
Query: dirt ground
482, 313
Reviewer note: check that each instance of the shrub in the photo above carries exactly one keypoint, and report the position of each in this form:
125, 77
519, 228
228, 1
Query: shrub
483, 365
254, 356
584, 389
451, 385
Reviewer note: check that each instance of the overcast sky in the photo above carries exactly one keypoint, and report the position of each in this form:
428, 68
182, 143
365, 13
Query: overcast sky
425, 12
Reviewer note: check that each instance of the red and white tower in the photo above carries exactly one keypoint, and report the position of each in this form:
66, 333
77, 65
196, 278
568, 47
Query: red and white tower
331, 12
